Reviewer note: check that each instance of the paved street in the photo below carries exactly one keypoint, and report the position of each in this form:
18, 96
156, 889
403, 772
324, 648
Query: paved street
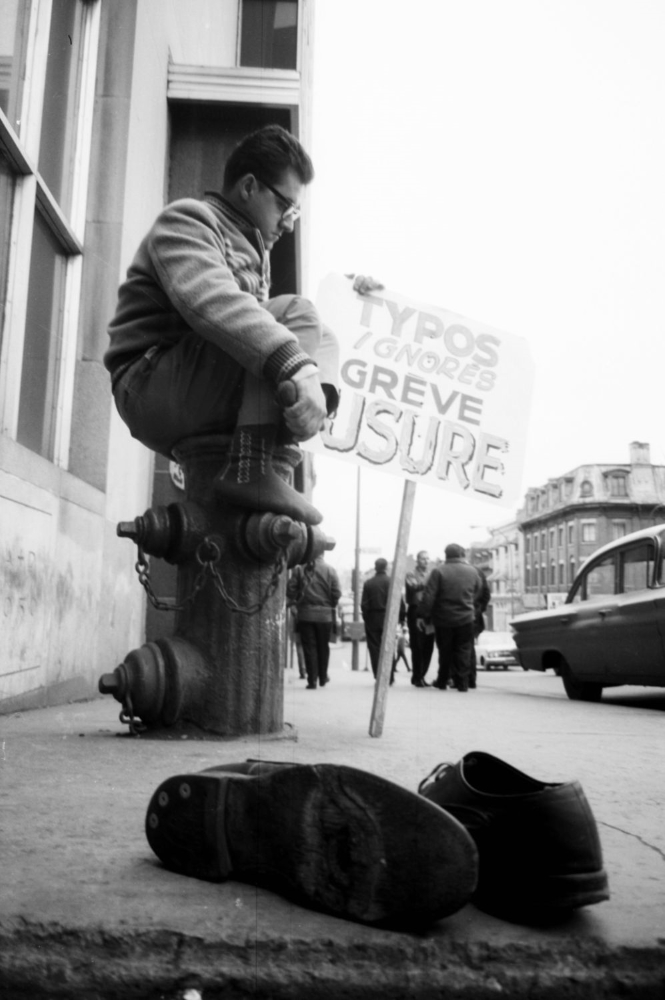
85, 909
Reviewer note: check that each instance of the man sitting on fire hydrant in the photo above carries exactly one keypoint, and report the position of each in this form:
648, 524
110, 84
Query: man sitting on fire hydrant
198, 346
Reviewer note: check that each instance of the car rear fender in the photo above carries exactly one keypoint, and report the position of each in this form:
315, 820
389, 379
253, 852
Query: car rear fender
552, 660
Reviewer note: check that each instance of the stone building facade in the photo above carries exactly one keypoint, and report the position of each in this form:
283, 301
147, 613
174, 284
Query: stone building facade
564, 521
108, 110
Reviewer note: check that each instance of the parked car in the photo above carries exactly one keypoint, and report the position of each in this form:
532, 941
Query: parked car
496, 650
611, 628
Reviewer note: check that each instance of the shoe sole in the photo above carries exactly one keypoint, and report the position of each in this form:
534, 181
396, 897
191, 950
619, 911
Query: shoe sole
546, 894
342, 840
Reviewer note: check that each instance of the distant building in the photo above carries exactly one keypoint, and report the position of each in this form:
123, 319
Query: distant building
567, 519
500, 558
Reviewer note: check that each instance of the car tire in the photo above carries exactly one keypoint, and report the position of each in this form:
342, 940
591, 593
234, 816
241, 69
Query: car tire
579, 690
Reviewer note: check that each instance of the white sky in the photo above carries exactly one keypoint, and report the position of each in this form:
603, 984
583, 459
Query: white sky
503, 159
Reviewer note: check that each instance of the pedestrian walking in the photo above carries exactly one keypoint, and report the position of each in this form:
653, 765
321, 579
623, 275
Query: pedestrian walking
315, 596
422, 642
481, 603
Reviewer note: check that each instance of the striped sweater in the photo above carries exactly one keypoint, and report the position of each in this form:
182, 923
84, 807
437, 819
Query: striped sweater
202, 269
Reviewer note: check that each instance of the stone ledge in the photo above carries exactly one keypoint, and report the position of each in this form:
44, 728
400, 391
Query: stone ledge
52, 962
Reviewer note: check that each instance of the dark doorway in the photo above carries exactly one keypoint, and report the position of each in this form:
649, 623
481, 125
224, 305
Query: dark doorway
202, 136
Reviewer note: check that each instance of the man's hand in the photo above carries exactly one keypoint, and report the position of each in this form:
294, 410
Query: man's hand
364, 284
305, 417
420, 624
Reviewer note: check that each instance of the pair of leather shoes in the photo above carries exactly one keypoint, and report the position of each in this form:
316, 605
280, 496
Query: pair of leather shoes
335, 838
537, 841
360, 847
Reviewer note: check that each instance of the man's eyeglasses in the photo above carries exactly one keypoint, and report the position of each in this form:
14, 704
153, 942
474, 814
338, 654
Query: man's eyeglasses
291, 212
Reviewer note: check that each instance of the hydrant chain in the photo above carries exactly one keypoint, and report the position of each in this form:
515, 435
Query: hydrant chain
208, 567
127, 717
252, 609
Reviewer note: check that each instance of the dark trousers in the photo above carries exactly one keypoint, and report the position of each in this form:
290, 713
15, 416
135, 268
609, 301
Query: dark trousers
193, 387
373, 634
455, 645
315, 638
422, 647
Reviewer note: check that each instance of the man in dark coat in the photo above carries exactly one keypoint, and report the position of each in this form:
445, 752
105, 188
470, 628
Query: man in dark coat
422, 643
373, 605
315, 596
482, 600
449, 602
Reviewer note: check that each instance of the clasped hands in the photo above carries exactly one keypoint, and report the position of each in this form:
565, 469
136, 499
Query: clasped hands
305, 418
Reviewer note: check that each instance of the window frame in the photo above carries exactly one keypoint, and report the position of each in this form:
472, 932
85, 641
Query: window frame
31, 196
589, 523
579, 594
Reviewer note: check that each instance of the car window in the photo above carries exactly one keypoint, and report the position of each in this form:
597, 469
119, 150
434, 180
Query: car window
636, 567
660, 571
599, 580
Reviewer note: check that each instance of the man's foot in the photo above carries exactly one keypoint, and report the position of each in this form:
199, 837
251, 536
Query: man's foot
249, 480
335, 838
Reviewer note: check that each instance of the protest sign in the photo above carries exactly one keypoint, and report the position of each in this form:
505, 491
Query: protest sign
426, 394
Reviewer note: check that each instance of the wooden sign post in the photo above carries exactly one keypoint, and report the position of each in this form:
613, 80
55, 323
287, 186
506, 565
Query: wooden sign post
392, 613
427, 395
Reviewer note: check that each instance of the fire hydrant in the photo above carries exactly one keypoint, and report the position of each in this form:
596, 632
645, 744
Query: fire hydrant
222, 672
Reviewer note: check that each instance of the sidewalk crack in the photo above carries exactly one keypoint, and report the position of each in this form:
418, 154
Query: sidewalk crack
635, 836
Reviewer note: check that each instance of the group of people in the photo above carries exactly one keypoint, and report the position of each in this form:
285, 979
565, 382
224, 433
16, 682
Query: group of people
445, 605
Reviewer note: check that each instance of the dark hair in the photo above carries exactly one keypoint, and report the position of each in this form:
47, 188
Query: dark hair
454, 551
267, 153
381, 565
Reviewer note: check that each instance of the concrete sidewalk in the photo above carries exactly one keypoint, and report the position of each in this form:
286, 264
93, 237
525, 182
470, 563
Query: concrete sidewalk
87, 911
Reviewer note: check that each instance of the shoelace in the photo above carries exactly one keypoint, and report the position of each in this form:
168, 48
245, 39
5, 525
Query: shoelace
434, 775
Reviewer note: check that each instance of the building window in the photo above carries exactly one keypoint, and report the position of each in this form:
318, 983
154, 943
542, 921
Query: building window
588, 531
47, 84
586, 489
571, 532
527, 576
562, 574
7, 186
543, 541
618, 486
527, 544
552, 538
269, 34
553, 573
619, 529
571, 571
560, 536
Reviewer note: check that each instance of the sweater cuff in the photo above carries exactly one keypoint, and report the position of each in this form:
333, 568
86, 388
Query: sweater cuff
285, 362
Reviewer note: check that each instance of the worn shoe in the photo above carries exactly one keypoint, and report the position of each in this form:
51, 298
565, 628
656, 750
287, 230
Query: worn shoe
538, 845
335, 838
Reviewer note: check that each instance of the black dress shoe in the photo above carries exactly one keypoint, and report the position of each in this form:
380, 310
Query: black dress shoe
334, 838
537, 841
